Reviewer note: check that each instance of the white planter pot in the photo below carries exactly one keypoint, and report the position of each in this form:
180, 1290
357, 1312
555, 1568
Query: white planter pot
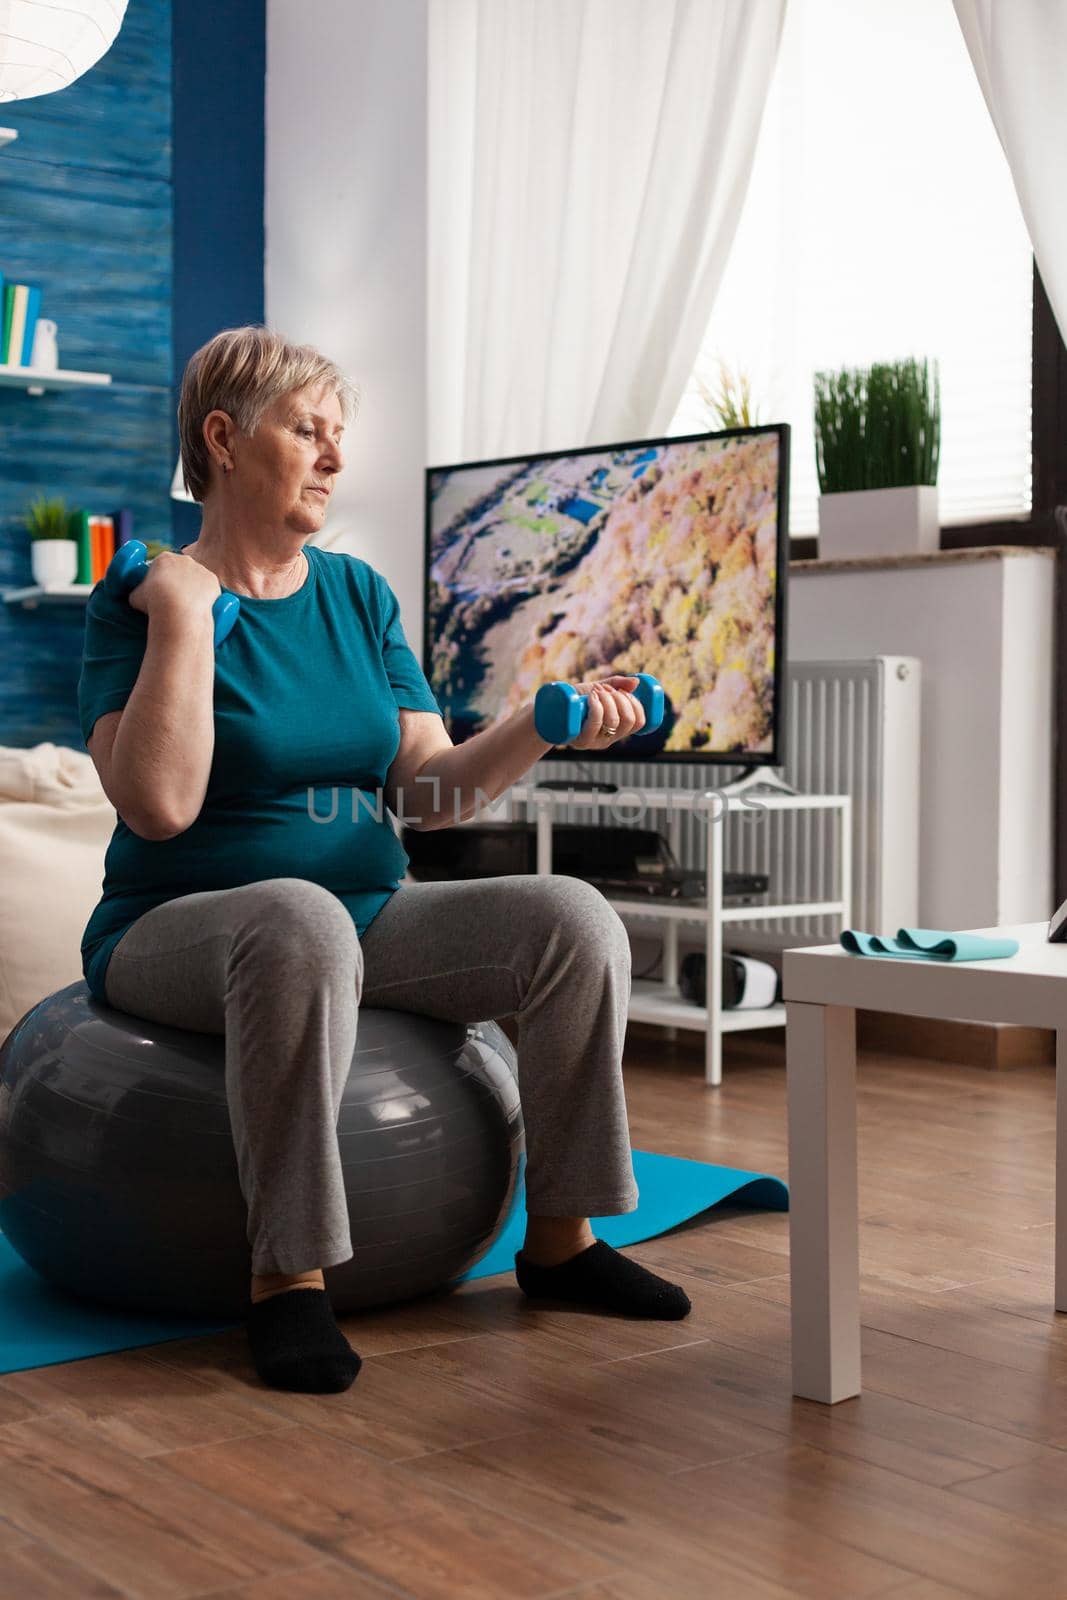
879, 522
54, 562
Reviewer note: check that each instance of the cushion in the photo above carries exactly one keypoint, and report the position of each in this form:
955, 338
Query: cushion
55, 826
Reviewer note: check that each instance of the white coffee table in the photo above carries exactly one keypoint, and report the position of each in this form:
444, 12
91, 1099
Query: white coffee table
822, 988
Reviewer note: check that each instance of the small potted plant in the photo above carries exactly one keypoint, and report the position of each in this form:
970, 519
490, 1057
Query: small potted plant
877, 442
732, 407
53, 553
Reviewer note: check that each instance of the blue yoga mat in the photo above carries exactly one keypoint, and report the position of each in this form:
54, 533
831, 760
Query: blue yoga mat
41, 1325
928, 944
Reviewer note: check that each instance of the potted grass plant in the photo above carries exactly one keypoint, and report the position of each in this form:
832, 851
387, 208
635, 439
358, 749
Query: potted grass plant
732, 407
877, 443
53, 553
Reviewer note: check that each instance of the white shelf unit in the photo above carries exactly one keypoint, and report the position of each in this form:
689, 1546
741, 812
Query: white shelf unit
661, 1002
31, 597
35, 381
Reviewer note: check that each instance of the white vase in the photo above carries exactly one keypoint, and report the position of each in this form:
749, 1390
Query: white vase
45, 354
54, 562
879, 522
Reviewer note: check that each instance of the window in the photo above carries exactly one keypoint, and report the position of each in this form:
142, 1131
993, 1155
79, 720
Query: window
881, 222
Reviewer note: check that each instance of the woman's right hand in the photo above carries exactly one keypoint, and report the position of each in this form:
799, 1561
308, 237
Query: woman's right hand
175, 583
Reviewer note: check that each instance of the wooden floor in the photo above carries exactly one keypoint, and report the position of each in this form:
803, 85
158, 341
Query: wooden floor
489, 1450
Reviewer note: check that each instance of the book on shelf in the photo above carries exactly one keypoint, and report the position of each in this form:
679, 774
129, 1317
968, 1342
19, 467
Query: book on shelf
97, 538
8, 302
21, 307
78, 529
102, 534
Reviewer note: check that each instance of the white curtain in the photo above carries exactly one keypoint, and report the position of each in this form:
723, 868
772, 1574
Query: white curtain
588, 160
1019, 50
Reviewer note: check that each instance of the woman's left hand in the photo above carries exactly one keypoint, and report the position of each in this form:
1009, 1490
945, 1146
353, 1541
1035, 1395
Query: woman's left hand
612, 713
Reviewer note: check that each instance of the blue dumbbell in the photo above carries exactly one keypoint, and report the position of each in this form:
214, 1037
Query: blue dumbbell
560, 711
129, 567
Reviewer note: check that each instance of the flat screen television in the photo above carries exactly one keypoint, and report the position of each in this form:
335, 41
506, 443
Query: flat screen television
666, 556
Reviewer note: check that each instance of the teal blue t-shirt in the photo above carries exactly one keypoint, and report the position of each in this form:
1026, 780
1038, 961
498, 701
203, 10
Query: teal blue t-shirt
306, 698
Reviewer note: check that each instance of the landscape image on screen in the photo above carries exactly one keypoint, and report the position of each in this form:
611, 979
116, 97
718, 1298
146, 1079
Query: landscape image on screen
650, 558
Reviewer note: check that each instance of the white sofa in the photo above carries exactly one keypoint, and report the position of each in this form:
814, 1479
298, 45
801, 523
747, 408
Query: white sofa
55, 826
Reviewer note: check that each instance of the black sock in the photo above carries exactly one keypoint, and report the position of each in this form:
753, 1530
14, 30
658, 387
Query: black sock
296, 1343
601, 1277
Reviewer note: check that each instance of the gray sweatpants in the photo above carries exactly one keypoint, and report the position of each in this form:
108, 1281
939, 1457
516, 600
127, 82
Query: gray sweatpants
277, 967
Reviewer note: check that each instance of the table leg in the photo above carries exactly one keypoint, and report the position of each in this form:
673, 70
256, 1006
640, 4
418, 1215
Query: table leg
823, 1201
1061, 1169
713, 951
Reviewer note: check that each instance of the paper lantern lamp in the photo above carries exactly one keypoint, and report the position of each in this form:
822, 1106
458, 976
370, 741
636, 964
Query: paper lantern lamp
178, 488
45, 47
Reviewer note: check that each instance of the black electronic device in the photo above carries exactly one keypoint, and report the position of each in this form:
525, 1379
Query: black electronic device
1057, 928
582, 786
677, 883
495, 849
617, 860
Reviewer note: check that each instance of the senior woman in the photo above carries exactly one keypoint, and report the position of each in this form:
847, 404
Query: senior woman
233, 904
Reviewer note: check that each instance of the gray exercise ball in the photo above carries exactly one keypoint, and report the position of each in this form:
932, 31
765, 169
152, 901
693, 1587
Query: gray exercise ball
118, 1176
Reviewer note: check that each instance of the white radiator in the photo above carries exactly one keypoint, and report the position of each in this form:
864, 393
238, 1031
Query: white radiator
852, 727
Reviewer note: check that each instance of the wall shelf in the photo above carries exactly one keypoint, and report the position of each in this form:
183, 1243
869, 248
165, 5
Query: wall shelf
34, 595
35, 382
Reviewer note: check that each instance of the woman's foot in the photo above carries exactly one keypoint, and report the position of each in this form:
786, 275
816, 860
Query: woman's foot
294, 1338
561, 1259
604, 1280
281, 1282
552, 1240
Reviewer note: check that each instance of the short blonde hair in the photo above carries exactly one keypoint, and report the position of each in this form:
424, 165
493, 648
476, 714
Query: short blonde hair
242, 371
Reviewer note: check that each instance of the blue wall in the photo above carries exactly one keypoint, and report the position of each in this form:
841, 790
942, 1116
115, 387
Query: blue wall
143, 246
220, 67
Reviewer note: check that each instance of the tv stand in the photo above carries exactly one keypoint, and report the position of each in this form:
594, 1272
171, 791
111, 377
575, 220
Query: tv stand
661, 1002
758, 780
